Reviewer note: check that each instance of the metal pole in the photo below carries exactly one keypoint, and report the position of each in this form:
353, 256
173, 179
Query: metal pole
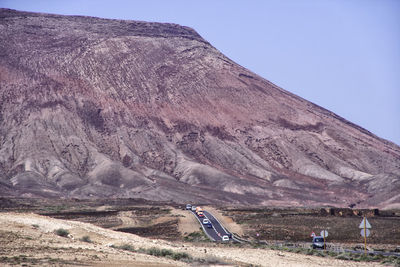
324, 241
365, 235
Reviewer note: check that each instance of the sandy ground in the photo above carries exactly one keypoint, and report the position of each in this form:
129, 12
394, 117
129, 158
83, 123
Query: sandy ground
33, 236
187, 222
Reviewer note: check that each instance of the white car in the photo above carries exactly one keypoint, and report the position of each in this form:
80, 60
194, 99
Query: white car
225, 238
206, 221
188, 206
193, 208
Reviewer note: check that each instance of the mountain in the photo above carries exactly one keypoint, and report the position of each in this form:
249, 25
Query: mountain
104, 108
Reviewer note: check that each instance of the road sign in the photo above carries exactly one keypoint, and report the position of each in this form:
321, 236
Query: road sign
324, 233
364, 223
365, 232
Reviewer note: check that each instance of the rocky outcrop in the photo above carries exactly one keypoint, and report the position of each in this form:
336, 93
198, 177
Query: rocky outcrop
94, 107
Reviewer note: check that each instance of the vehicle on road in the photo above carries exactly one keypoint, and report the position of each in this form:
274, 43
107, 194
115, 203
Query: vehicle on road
209, 225
318, 242
193, 208
206, 221
200, 214
225, 238
188, 206
198, 209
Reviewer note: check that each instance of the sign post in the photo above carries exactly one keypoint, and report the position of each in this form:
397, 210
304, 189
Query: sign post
365, 226
324, 234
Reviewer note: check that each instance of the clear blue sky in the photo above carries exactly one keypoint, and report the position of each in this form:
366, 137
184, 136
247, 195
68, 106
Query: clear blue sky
343, 55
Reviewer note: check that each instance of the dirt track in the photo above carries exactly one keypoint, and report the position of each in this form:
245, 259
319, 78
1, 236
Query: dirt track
30, 238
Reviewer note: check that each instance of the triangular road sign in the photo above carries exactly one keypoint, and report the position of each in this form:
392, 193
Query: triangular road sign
364, 224
365, 232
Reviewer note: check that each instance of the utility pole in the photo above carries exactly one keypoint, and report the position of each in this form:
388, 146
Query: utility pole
365, 235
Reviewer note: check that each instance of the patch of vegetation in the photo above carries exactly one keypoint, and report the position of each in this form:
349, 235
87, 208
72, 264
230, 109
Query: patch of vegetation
309, 252
343, 256
86, 239
168, 253
24, 260
62, 232
56, 209
199, 236
125, 247
182, 256
159, 252
178, 215
257, 245
392, 260
178, 256
165, 211
320, 254
332, 253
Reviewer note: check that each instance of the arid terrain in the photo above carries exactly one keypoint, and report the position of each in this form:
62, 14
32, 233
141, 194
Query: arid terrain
94, 238
102, 108
297, 224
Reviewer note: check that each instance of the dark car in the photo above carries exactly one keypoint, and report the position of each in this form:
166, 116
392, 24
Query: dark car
318, 242
209, 225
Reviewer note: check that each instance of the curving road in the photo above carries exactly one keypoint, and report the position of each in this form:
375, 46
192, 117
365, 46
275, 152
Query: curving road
217, 231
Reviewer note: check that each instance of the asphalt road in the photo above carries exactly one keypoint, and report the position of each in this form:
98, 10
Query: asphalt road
217, 230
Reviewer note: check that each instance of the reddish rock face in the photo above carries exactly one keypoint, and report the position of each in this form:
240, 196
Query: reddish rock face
109, 108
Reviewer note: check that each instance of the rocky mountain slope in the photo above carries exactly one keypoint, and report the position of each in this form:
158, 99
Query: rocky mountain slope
94, 107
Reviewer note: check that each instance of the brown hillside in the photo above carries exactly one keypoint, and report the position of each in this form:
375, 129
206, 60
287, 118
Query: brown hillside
93, 107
